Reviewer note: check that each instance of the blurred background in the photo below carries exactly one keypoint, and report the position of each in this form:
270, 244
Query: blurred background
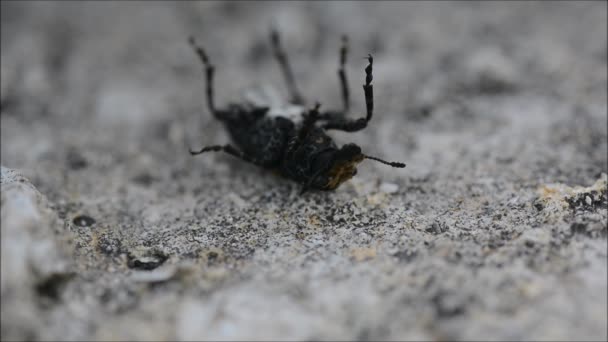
126, 67
485, 102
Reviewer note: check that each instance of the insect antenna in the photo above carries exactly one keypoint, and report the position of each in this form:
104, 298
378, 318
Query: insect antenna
393, 164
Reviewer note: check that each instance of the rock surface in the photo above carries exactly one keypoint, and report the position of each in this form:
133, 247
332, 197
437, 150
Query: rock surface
495, 230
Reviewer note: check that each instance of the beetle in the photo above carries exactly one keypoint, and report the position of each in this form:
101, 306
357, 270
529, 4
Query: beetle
301, 151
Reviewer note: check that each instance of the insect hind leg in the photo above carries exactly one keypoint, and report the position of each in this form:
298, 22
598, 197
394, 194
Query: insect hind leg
342, 75
209, 74
281, 57
229, 149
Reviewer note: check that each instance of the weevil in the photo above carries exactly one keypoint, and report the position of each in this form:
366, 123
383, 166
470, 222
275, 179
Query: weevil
301, 151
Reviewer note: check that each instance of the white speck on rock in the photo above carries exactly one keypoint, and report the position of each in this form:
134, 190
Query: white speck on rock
389, 188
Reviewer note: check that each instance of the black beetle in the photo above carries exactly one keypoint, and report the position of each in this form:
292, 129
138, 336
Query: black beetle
300, 151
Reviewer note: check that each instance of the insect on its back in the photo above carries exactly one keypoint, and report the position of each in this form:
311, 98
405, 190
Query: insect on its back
272, 137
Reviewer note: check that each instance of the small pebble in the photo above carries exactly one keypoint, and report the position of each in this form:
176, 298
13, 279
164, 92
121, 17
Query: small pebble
145, 259
154, 276
83, 221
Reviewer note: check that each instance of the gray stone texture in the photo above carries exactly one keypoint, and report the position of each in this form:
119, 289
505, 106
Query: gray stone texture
495, 230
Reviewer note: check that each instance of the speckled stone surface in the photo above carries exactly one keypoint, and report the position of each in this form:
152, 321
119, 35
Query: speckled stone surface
495, 230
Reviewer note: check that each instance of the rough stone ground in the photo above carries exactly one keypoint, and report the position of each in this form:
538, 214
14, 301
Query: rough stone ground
495, 230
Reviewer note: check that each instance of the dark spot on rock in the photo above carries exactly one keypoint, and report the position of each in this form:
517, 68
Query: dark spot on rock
52, 286
83, 221
419, 112
75, 160
578, 228
538, 205
529, 243
492, 85
212, 255
144, 179
436, 228
109, 245
405, 255
146, 261
105, 296
447, 306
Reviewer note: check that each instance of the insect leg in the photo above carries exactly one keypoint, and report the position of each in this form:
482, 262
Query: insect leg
209, 72
368, 89
279, 53
309, 121
342, 75
229, 149
338, 122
